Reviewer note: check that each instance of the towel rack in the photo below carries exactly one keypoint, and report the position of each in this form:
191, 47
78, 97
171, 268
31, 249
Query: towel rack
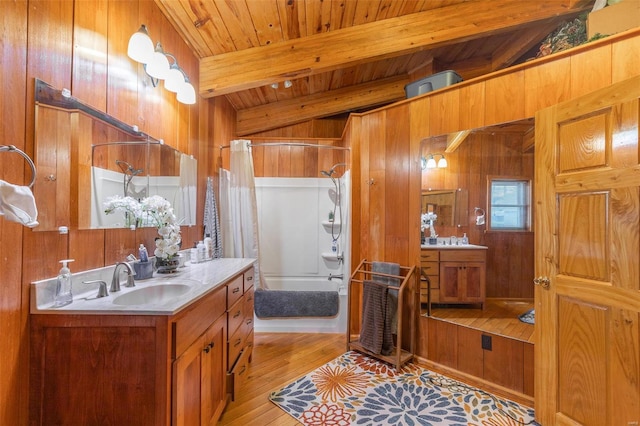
407, 300
11, 148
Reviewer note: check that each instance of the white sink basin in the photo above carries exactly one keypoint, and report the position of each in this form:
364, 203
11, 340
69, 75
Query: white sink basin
155, 294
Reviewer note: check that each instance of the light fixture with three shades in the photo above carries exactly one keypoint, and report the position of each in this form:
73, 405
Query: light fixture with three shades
157, 66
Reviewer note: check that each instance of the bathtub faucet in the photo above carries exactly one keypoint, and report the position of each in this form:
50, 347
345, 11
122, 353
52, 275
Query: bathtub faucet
339, 276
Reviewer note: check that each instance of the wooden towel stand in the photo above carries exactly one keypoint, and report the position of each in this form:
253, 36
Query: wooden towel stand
407, 281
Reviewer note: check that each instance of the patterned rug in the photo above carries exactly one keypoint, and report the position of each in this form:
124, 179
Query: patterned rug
354, 389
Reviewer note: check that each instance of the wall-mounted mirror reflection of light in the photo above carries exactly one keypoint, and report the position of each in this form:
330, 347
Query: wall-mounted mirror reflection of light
84, 155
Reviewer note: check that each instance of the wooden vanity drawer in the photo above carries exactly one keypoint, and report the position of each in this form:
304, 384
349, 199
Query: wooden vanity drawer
239, 374
235, 345
465, 255
429, 255
248, 302
192, 322
249, 279
235, 318
433, 279
234, 291
430, 268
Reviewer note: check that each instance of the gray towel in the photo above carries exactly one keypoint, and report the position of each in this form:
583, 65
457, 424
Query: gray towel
392, 297
211, 220
375, 332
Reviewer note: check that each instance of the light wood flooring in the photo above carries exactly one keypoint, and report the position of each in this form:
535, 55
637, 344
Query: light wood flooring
278, 359
499, 317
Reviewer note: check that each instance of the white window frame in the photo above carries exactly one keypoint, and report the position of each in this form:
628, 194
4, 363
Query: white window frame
523, 204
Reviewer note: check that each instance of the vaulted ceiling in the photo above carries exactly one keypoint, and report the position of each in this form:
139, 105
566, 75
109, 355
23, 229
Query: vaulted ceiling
349, 55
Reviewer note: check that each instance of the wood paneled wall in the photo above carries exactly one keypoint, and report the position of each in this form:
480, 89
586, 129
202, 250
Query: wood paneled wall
81, 46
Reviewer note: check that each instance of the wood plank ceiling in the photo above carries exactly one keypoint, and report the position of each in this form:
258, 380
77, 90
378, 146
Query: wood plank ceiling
349, 55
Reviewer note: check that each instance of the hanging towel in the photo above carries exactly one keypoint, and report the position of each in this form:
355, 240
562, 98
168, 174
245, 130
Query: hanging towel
18, 204
188, 181
392, 297
375, 332
211, 220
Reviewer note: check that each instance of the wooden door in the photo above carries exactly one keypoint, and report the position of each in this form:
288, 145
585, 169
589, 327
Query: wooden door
214, 372
587, 223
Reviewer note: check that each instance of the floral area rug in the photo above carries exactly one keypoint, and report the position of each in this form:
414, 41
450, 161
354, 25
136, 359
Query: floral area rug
354, 389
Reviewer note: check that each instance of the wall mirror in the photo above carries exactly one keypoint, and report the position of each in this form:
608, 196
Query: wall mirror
83, 156
451, 205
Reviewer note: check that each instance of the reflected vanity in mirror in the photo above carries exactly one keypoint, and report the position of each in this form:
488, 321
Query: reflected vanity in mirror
84, 156
450, 206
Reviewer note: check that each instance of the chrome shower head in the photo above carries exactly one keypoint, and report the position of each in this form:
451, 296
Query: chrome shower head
332, 170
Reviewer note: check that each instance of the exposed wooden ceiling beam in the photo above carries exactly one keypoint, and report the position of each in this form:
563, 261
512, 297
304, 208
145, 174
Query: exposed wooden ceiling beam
520, 43
297, 110
454, 140
258, 66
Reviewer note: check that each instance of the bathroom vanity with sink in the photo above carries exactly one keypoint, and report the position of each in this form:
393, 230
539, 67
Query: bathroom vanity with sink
456, 273
143, 356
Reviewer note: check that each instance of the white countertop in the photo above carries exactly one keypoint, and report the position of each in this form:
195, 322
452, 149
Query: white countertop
450, 247
201, 278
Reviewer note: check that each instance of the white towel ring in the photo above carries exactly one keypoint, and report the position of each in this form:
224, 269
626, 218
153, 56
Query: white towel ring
10, 148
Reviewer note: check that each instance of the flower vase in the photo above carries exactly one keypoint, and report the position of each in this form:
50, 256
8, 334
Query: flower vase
167, 265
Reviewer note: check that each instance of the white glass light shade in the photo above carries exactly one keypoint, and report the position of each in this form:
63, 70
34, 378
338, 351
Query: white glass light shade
442, 162
187, 94
159, 65
140, 47
431, 163
174, 80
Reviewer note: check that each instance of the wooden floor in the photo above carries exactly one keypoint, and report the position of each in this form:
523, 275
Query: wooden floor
278, 359
499, 317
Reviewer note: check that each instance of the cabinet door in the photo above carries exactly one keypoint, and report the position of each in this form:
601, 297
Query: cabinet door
187, 392
199, 377
451, 278
214, 372
462, 282
474, 282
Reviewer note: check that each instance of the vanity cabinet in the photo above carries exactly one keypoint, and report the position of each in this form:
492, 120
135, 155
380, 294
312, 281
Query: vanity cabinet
457, 276
142, 369
240, 330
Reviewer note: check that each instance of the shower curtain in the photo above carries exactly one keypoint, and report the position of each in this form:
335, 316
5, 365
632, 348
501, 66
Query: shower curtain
239, 214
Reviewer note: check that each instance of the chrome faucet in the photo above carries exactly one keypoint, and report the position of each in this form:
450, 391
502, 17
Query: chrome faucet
337, 277
115, 281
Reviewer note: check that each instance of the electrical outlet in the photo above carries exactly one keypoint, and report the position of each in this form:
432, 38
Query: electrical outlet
486, 342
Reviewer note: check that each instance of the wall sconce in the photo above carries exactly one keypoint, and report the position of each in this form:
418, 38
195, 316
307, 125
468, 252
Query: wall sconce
157, 66
430, 163
479, 216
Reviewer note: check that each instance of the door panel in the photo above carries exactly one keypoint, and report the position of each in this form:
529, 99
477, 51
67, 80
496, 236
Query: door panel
587, 257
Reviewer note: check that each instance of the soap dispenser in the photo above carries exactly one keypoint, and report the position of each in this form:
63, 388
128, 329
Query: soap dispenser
63, 285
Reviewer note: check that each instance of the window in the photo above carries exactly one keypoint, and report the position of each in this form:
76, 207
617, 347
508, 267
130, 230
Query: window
509, 207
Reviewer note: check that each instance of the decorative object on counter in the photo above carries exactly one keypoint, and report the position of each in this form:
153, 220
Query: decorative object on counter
428, 220
167, 265
144, 270
158, 212
63, 296
465, 239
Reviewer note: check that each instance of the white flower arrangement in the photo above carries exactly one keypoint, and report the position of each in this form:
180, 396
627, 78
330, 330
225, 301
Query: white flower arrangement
151, 211
428, 220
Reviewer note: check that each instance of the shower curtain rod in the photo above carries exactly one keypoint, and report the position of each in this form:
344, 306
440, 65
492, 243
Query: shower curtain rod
306, 145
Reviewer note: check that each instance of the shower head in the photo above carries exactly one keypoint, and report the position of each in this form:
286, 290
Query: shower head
128, 168
332, 170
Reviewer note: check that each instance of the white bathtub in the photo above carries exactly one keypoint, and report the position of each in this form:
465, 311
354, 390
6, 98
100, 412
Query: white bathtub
337, 324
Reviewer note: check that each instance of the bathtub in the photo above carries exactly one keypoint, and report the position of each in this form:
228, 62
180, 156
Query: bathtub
337, 324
